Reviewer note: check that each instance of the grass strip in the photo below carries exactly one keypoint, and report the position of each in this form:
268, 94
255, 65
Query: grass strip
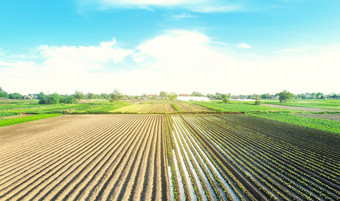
7, 122
321, 124
176, 107
7, 114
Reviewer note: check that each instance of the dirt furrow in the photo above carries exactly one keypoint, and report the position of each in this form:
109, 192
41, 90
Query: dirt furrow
143, 190
97, 178
37, 151
80, 185
122, 188
70, 180
53, 171
97, 192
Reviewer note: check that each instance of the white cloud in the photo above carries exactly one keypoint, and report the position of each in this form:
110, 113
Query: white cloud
177, 60
183, 15
244, 46
205, 6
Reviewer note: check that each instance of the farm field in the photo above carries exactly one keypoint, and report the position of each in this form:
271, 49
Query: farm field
244, 107
145, 108
167, 157
84, 157
187, 107
325, 120
213, 158
331, 104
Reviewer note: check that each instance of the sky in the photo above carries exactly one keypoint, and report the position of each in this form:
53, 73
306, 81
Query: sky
181, 46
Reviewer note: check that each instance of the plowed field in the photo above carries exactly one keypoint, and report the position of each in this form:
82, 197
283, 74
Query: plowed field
167, 157
100, 157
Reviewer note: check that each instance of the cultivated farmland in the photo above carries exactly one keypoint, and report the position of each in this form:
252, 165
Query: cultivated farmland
85, 157
167, 157
145, 108
213, 158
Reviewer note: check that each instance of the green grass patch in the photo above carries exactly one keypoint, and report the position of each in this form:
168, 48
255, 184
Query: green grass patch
245, 107
7, 114
176, 107
83, 108
312, 103
317, 123
7, 122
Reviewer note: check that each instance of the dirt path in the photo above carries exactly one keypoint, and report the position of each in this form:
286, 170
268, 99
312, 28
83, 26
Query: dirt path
307, 109
83, 157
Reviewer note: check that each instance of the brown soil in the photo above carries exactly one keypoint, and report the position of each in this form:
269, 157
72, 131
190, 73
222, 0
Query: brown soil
84, 157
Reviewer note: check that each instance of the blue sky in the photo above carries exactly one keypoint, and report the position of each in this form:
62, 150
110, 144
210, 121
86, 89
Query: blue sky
174, 45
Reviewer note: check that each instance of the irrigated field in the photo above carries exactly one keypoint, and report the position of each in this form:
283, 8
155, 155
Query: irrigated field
215, 158
167, 157
117, 157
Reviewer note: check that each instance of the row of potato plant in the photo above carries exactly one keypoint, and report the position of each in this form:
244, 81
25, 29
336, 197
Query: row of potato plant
291, 183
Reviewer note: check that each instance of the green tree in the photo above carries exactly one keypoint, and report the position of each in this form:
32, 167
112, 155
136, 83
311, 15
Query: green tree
195, 93
116, 95
90, 96
284, 96
225, 98
3, 94
163, 94
172, 96
68, 99
15, 96
79, 95
257, 100
105, 96
265, 96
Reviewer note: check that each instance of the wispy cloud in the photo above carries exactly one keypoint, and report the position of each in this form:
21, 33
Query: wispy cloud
203, 6
244, 46
183, 16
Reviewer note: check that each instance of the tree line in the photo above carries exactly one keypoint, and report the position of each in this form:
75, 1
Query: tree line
116, 95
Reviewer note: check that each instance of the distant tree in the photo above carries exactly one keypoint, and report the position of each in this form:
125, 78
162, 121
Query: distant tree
301, 96
163, 94
257, 100
15, 96
49, 99
172, 96
211, 96
319, 95
79, 95
284, 96
218, 96
68, 99
90, 96
225, 98
334, 96
116, 95
105, 96
195, 93
53, 99
265, 96
3, 94
42, 98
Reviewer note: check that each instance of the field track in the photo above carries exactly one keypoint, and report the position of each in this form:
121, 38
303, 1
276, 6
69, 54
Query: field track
85, 157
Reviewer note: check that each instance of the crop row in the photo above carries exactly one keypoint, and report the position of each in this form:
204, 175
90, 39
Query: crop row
265, 164
116, 157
